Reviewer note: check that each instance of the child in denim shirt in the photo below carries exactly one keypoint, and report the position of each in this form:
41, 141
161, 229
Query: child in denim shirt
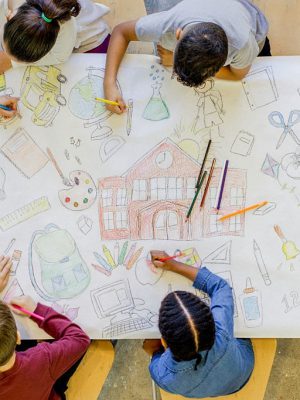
202, 358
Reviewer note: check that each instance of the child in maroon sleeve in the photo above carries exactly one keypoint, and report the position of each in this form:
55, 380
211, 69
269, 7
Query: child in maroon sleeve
32, 374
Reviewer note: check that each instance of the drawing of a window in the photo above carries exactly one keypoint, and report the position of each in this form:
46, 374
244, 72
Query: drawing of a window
237, 196
121, 197
121, 220
212, 196
214, 225
139, 189
235, 224
190, 188
167, 225
107, 197
108, 220
158, 188
175, 186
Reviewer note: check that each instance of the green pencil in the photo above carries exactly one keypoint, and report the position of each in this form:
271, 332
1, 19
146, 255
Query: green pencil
196, 195
123, 253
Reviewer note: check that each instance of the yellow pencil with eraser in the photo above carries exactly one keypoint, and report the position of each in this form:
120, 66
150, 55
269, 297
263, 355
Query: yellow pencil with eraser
110, 102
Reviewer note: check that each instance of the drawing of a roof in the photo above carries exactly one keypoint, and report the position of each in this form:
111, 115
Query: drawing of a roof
166, 142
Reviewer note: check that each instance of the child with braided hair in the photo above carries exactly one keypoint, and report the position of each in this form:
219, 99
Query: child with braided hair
200, 356
46, 32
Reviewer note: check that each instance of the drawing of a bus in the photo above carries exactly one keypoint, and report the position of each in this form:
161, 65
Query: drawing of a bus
41, 93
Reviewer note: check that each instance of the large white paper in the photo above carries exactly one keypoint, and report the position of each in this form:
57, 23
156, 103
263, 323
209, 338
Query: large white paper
84, 194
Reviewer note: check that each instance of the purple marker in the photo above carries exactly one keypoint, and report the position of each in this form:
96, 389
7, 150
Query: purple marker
222, 184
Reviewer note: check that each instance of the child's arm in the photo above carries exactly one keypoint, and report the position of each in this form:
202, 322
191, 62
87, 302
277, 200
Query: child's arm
70, 341
120, 38
232, 74
217, 288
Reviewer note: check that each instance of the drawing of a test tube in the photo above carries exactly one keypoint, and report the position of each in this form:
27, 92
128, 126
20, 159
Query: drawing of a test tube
129, 116
261, 264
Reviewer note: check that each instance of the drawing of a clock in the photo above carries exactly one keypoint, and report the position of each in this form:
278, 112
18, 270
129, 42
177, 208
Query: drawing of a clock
164, 160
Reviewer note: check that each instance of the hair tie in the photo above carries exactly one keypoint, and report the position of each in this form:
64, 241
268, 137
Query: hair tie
46, 19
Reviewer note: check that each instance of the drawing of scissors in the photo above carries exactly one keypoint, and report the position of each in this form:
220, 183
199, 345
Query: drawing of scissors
276, 119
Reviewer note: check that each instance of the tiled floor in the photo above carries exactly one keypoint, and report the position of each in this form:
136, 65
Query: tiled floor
129, 378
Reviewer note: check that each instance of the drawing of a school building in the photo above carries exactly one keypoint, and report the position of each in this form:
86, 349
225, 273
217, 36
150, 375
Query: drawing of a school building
151, 200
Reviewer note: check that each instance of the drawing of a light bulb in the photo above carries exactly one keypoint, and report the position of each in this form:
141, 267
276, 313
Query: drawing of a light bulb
2, 183
289, 248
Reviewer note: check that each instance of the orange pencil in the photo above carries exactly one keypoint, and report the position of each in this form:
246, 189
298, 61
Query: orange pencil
243, 210
208, 182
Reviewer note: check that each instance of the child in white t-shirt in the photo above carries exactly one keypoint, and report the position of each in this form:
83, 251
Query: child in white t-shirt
46, 32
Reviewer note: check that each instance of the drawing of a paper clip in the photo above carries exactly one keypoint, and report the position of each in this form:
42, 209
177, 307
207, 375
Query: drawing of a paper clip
276, 119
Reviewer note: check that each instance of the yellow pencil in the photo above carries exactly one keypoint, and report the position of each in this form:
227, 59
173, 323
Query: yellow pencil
112, 103
243, 210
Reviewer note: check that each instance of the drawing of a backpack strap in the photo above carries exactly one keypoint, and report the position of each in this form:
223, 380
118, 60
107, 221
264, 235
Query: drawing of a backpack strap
33, 280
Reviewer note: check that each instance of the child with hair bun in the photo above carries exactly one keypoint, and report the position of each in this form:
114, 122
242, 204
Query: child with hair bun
200, 356
46, 32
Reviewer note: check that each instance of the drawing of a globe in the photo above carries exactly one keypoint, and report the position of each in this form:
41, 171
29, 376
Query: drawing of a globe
82, 98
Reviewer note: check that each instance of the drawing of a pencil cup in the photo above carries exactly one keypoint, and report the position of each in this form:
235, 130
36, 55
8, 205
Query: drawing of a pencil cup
63, 272
289, 248
251, 305
156, 109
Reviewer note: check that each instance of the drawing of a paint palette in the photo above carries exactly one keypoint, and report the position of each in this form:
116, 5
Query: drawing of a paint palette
81, 195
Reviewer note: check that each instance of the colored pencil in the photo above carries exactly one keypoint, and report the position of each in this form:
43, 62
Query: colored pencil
134, 258
208, 182
116, 252
32, 314
130, 254
195, 197
100, 268
203, 163
225, 169
243, 210
5, 108
102, 261
123, 253
109, 257
112, 103
172, 257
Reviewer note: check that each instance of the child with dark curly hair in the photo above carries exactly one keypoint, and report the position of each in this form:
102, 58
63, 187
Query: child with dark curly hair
200, 38
201, 357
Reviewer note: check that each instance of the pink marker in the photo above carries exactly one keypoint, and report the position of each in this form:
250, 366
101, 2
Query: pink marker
28, 312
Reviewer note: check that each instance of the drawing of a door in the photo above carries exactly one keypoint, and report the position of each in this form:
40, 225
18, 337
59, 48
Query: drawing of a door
166, 225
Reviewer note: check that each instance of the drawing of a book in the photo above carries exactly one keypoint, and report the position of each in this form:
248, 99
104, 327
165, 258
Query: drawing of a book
24, 153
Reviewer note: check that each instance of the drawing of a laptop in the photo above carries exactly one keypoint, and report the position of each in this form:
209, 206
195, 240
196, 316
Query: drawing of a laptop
115, 300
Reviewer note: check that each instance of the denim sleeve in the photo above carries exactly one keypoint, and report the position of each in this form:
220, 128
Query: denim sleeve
154, 367
221, 298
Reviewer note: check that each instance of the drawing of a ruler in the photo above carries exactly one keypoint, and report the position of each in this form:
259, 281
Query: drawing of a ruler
26, 212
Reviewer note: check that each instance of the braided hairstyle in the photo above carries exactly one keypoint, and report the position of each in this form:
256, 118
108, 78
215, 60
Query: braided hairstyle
32, 32
187, 325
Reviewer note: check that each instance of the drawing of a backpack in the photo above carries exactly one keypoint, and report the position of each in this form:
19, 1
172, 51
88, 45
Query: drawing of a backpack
64, 274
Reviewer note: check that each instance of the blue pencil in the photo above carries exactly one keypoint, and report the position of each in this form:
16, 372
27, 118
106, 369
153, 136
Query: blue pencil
102, 261
5, 108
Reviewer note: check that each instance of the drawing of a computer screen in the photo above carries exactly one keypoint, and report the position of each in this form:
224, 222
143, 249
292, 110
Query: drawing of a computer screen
112, 299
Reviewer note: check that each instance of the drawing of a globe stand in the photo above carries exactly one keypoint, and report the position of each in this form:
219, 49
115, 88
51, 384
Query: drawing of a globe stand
83, 105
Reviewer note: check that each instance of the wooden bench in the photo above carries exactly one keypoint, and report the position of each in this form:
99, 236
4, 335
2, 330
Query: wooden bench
264, 351
90, 376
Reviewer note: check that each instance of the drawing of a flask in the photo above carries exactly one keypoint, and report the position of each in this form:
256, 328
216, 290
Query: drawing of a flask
251, 305
289, 248
156, 109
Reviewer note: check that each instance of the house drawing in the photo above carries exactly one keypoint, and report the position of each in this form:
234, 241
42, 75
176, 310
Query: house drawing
151, 200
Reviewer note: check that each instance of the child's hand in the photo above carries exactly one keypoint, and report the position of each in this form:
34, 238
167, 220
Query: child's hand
151, 346
10, 102
112, 93
166, 56
5, 266
23, 301
157, 255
